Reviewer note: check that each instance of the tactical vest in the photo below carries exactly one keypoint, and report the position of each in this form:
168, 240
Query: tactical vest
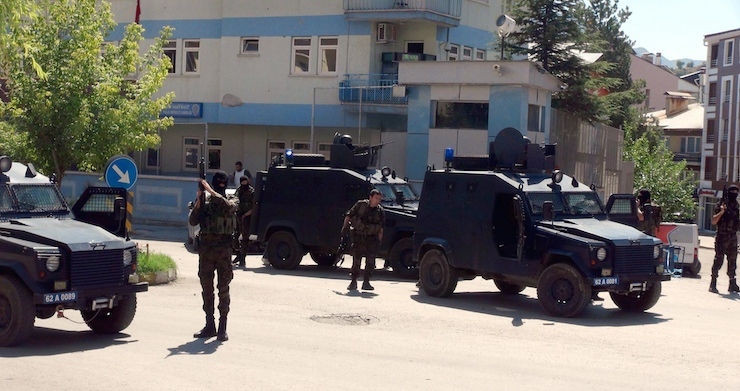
218, 217
366, 220
730, 220
246, 198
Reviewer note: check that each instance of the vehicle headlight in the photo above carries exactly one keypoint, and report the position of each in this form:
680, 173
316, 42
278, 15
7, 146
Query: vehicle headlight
657, 250
601, 254
128, 256
50, 256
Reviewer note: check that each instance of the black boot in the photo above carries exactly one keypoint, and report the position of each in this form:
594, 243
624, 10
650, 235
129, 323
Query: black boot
222, 336
713, 285
366, 285
733, 286
208, 331
352, 285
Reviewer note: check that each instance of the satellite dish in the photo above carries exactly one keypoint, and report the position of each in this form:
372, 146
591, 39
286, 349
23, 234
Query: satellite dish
506, 25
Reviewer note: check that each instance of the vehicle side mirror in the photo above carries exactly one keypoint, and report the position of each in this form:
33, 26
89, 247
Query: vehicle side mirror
548, 212
119, 209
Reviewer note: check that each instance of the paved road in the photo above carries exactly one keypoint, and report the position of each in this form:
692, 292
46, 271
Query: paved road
301, 330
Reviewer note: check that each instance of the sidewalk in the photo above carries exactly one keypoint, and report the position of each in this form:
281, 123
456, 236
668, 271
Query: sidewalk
706, 240
159, 232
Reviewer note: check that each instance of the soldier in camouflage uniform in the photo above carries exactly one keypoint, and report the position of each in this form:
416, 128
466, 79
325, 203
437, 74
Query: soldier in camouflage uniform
649, 214
245, 194
366, 219
217, 219
727, 218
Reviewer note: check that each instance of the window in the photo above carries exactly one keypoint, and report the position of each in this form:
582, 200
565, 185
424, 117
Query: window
301, 147
711, 131
647, 97
712, 98
275, 151
534, 122
467, 53
459, 115
170, 50
725, 129
301, 56
328, 53
727, 91
325, 149
415, 47
715, 51
249, 45
192, 51
690, 144
214, 154
729, 51
480, 55
191, 156
152, 157
452, 55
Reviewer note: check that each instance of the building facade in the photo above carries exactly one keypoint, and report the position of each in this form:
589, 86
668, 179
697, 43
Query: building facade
721, 151
254, 78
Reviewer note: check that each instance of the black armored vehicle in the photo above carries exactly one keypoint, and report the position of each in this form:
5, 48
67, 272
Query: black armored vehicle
300, 205
50, 260
512, 218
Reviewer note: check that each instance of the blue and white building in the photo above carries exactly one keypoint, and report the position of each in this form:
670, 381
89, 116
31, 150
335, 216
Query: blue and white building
253, 78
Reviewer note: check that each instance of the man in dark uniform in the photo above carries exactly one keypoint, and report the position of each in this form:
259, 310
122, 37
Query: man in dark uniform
245, 194
727, 218
649, 215
366, 219
217, 219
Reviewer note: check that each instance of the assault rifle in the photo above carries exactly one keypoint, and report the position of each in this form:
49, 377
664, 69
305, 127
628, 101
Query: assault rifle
343, 243
202, 175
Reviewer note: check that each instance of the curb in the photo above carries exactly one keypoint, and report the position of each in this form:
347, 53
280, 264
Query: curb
159, 278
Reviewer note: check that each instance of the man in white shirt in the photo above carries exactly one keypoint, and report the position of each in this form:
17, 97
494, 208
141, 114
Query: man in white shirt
239, 171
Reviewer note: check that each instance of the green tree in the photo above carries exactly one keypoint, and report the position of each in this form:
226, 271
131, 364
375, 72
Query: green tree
97, 99
602, 21
656, 171
551, 33
12, 13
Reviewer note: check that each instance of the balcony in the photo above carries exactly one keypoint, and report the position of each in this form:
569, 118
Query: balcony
371, 89
689, 157
442, 12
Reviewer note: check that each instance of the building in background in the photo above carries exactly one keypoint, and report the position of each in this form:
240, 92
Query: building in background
721, 151
659, 80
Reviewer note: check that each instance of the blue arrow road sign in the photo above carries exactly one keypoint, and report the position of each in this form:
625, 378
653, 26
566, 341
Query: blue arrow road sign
121, 172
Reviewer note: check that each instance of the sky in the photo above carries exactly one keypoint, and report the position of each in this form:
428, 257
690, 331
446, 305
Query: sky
676, 28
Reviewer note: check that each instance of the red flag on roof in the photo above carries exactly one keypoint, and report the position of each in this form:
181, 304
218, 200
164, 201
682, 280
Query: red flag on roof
138, 11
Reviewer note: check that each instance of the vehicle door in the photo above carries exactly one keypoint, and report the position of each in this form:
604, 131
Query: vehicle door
105, 207
622, 209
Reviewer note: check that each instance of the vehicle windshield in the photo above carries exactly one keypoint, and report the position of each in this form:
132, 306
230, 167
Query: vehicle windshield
389, 191
573, 204
31, 198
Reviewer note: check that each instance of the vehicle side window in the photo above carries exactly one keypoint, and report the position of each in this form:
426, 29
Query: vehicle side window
621, 206
6, 202
537, 199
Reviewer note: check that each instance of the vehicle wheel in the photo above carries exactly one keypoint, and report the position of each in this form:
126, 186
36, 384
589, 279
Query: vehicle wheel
112, 320
638, 301
17, 313
323, 259
507, 287
562, 291
437, 277
694, 268
402, 259
283, 251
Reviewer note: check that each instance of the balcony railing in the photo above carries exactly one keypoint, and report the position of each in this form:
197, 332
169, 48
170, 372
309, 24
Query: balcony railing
371, 88
443, 11
690, 157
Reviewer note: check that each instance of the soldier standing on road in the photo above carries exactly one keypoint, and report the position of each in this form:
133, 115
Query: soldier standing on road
245, 194
366, 219
649, 215
217, 219
727, 218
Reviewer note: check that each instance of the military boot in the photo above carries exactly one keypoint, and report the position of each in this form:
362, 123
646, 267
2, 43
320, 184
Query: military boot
733, 286
352, 285
713, 285
208, 331
222, 336
366, 285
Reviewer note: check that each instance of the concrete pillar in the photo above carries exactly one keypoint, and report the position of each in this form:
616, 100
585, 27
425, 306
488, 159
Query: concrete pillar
417, 143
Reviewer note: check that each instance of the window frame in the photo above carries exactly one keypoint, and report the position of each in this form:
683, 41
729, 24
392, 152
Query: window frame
174, 60
324, 48
294, 52
215, 145
186, 52
469, 55
480, 55
186, 146
453, 56
273, 149
244, 40
729, 52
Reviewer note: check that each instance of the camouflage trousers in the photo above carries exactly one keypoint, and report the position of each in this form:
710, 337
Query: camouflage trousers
725, 244
244, 223
215, 257
367, 246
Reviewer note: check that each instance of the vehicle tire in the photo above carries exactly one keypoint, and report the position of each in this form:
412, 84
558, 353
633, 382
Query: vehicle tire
402, 259
693, 269
323, 259
563, 291
283, 251
638, 301
17, 313
507, 287
112, 320
438, 278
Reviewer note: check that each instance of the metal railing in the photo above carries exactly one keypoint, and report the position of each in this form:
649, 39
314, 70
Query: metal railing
370, 89
452, 8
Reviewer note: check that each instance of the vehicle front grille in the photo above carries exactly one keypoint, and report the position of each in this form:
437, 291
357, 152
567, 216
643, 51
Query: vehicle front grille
634, 260
96, 268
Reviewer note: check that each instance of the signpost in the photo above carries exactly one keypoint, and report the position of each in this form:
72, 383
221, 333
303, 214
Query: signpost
121, 171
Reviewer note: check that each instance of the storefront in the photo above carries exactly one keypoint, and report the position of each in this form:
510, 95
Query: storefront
708, 200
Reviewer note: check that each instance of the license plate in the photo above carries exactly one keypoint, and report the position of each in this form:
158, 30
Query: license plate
601, 281
59, 297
